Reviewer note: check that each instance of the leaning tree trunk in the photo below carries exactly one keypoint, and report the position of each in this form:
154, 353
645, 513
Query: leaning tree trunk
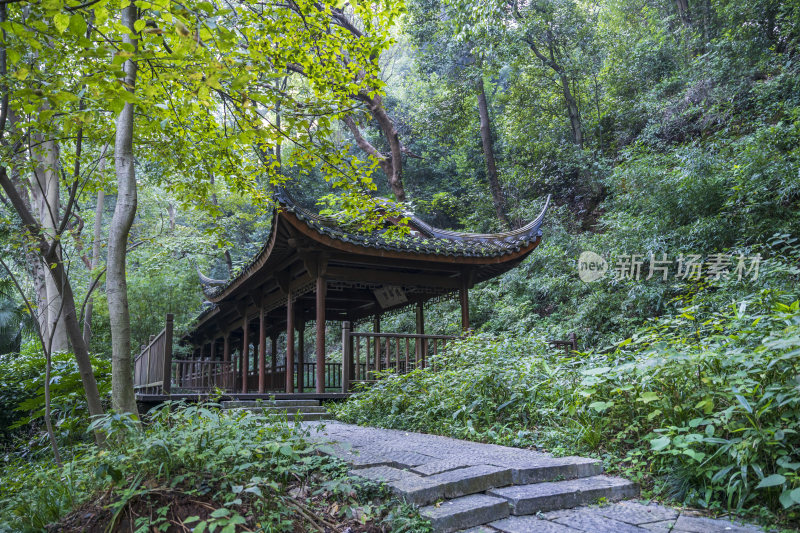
122, 396
488, 155
33, 263
573, 113
62, 284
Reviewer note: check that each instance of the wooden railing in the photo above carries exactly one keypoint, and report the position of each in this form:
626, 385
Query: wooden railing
364, 354
203, 375
152, 368
333, 376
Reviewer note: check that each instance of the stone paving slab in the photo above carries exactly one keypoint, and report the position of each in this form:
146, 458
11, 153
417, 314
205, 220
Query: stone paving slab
453, 515
637, 514
441, 465
472, 479
697, 524
591, 520
530, 524
630, 516
540, 497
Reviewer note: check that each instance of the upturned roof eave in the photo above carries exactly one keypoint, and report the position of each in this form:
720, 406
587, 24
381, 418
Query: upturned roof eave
524, 240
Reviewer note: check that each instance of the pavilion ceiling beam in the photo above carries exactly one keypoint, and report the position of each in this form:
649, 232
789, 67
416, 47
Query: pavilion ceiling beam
392, 278
345, 259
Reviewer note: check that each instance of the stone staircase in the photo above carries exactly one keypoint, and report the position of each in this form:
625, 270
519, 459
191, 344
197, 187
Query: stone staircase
460, 485
468, 496
309, 410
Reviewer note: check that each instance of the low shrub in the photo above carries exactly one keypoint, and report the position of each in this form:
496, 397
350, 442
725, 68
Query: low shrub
201, 468
702, 405
22, 396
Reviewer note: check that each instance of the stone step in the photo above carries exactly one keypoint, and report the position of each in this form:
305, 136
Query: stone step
464, 512
311, 417
288, 410
538, 470
306, 414
269, 403
423, 490
554, 495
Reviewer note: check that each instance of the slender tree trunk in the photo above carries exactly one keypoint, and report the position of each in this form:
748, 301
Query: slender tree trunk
682, 7
122, 396
98, 234
46, 194
573, 113
34, 263
171, 214
498, 198
38, 276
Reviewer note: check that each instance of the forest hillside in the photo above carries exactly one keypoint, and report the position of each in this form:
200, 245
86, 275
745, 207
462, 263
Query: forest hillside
143, 143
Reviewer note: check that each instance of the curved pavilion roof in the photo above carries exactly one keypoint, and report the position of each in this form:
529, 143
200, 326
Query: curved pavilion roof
303, 246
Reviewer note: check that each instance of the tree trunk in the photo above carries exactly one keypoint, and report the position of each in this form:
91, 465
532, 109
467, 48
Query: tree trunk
45, 188
98, 234
34, 263
683, 12
488, 155
391, 164
573, 113
122, 396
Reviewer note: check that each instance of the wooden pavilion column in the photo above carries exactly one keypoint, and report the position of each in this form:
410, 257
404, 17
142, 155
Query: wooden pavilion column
301, 349
245, 353
262, 351
419, 361
347, 356
376, 328
322, 288
274, 360
226, 358
289, 343
463, 296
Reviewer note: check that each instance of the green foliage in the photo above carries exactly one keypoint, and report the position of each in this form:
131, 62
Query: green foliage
22, 395
705, 400
240, 465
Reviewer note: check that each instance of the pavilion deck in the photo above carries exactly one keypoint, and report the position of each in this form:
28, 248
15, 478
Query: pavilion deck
159, 377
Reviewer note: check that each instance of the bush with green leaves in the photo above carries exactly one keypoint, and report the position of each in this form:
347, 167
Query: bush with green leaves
213, 470
22, 394
702, 405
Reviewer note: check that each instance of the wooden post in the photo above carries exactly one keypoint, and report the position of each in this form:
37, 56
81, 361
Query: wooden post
245, 353
322, 288
289, 343
226, 358
463, 294
376, 328
419, 360
166, 385
347, 356
274, 361
262, 351
301, 354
